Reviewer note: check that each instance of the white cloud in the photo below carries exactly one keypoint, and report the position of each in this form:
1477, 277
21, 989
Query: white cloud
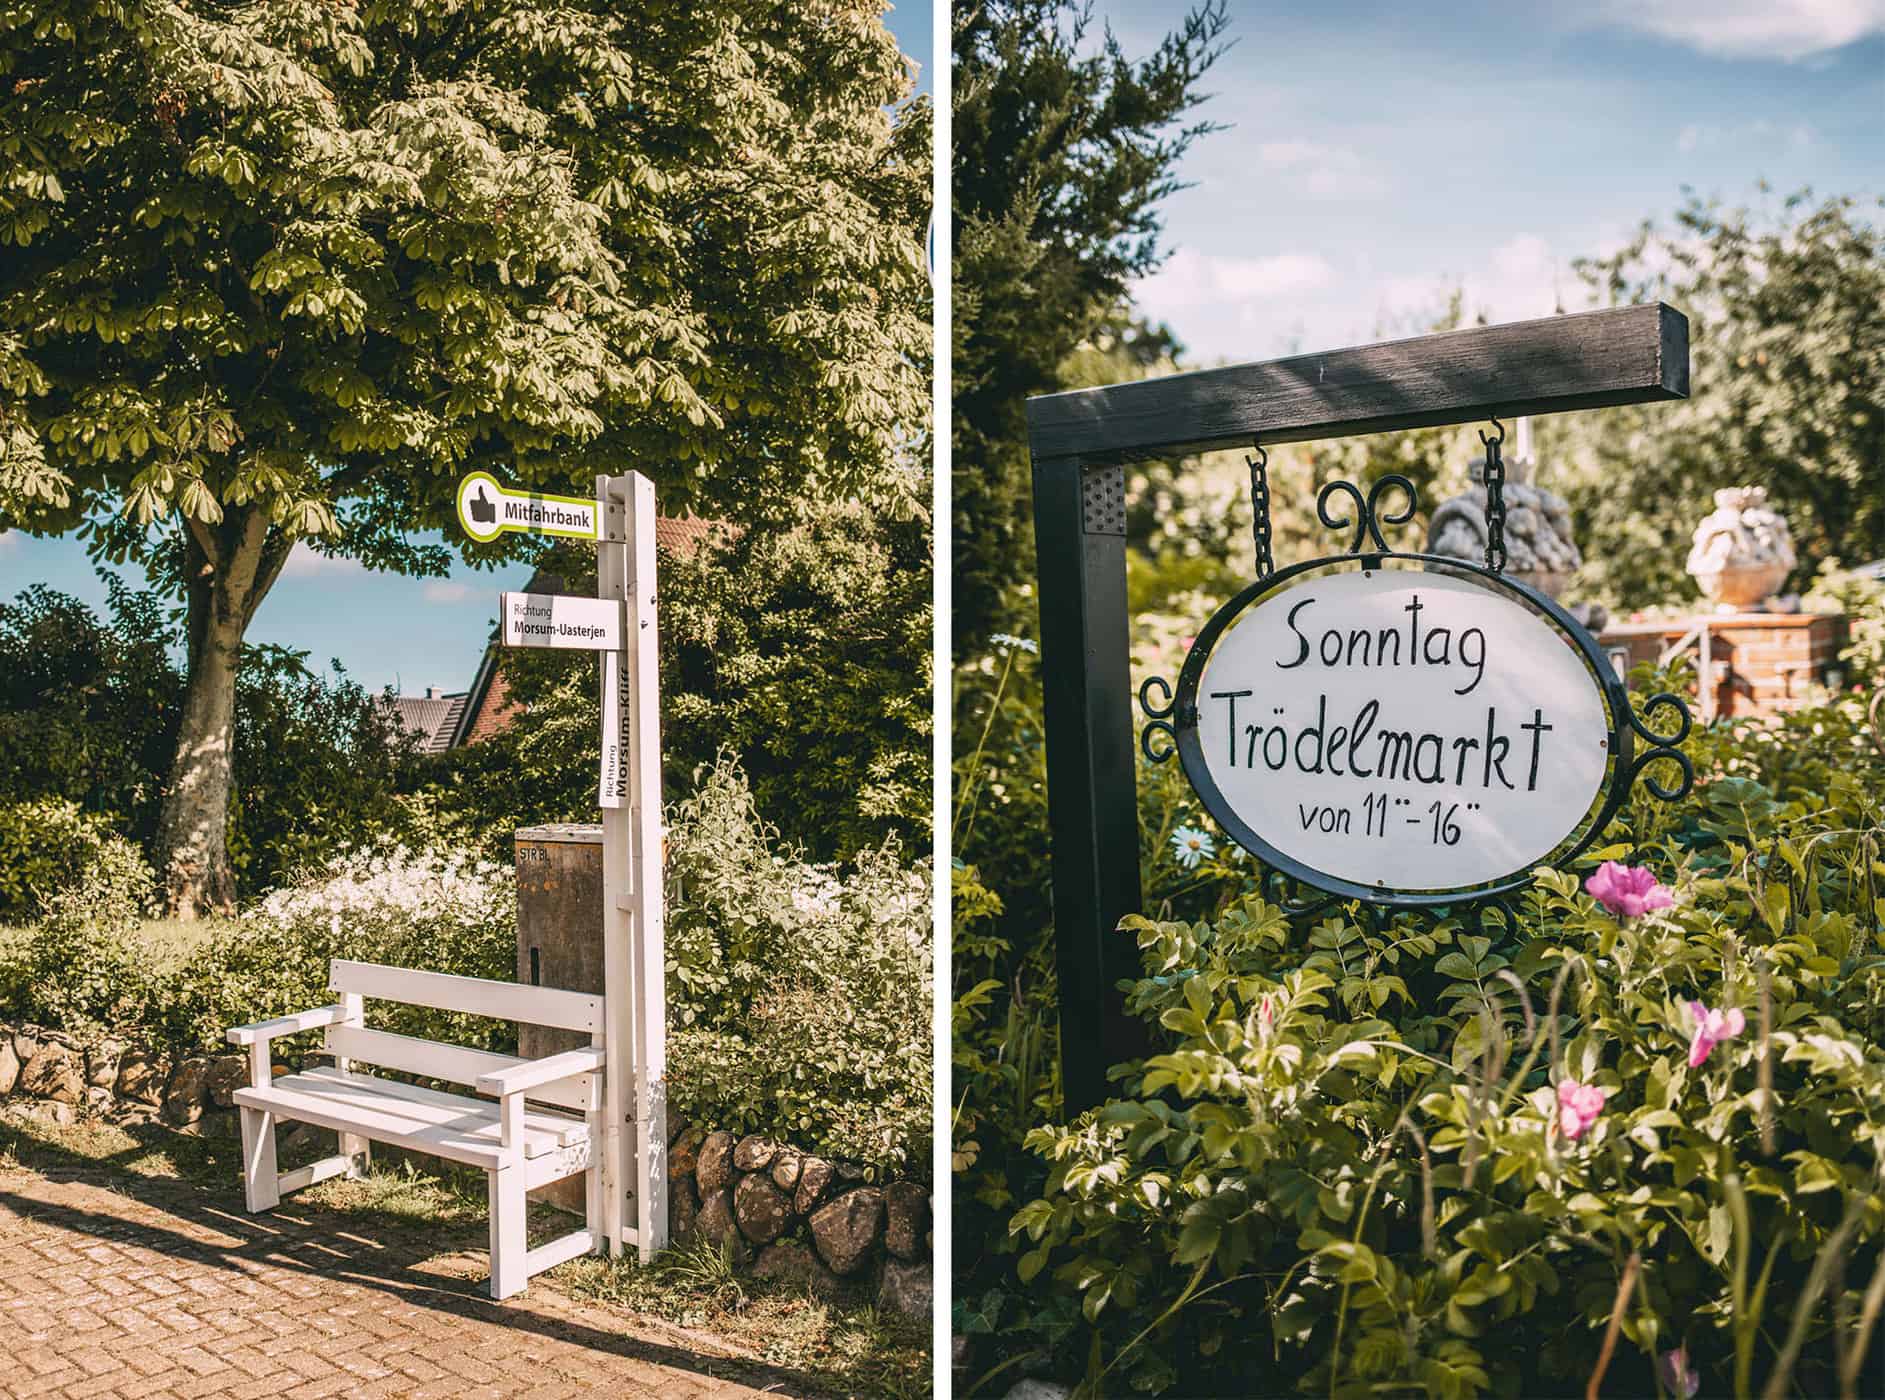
1788, 30
305, 563
445, 591
1227, 307
1761, 135
1325, 172
1520, 280
1193, 279
9, 541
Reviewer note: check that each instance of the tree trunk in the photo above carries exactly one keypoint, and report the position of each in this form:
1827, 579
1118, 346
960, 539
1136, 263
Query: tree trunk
228, 570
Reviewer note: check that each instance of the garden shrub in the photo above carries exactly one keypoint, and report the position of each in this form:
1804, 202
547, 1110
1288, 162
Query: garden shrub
432, 910
89, 714
46, 844
801, 648
1347, 1169
798, 996
83, 967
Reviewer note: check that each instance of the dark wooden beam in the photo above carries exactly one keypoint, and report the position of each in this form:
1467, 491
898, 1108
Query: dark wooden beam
1594, 359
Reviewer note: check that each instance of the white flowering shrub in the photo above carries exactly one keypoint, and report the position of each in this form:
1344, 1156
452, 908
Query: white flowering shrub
443, 912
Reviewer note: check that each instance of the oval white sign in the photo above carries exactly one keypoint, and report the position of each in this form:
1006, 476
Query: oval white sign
1400, 729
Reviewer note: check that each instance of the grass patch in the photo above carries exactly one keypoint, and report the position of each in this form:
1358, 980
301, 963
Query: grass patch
854, 1350
169, 942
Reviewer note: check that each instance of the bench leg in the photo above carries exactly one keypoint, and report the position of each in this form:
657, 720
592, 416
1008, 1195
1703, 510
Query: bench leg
508, 1271
261, 1187
359, 1155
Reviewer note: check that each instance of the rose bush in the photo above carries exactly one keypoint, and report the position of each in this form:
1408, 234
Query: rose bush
1419, 1157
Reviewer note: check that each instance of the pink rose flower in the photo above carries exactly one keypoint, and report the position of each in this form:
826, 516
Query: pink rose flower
1627, 890
1678, 1377
1579, 1105
1711, 1028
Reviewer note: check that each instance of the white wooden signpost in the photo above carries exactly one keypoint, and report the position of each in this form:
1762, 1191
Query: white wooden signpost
619, 624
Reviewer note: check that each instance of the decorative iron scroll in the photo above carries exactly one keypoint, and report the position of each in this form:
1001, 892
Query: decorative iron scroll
1159, 721
1632, 742
1369, 517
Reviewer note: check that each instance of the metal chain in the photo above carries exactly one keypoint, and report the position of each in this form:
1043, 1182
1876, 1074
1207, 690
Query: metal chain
1260, 509
1495, 497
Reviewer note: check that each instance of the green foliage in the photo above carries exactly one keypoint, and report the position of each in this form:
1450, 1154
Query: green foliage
1787, 325
1862, 600
1063, 148
81, 968
799, 1000
89, 715
801, 649
320, 765
45, 845
435, 911
88, 707
798, 994
291, 258
278, 272
1339, 1173
807, 652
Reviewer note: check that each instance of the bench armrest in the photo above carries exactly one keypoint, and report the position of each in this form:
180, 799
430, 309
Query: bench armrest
533, 1074
265, 1031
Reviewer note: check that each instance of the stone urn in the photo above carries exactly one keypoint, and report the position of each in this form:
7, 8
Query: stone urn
1539, 550
1743, 551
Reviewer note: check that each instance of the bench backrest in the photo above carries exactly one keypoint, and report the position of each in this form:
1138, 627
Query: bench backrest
475, 996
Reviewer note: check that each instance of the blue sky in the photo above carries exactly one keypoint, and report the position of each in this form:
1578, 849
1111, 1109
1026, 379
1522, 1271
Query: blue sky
1380, 154
385, 629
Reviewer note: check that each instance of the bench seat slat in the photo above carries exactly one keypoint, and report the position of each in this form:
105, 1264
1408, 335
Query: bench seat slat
544, 1130
389, 1128
468, 1133
474, 996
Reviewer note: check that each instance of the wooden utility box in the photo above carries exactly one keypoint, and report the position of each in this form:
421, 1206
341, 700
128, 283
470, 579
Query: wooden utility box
1758, 663
559, 940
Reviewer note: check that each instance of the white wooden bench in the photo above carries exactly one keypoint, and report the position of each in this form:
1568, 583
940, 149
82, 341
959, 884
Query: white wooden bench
517, 1140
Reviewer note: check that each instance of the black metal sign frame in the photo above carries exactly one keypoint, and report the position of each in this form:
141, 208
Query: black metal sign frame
1080, 442
1177, 717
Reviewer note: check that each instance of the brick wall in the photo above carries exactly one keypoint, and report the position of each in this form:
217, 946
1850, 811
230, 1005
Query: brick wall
496, 713
1764, 663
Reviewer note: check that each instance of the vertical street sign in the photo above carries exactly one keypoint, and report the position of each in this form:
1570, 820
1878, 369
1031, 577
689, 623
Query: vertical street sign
634, 961
629, 1200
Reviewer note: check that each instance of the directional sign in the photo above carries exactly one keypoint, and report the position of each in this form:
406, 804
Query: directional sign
1395, 728
486, 510
554, 620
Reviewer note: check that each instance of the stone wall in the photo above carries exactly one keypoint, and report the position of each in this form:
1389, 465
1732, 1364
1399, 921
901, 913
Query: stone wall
783, 1213
805, 1219
63, 1078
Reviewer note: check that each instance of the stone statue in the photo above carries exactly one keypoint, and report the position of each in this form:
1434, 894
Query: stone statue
1743, 551
1539, 550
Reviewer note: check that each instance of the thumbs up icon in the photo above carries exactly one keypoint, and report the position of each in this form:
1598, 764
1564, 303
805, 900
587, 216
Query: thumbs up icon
483, 512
